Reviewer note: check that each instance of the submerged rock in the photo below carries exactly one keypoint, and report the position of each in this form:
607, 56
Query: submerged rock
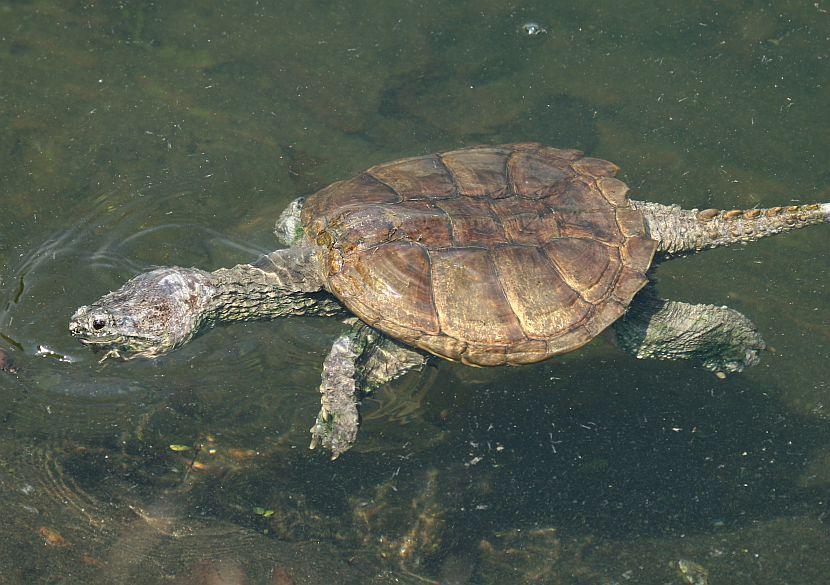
6, 363
693, 573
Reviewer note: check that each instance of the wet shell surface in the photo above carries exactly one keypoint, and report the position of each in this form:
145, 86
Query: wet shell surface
489, 255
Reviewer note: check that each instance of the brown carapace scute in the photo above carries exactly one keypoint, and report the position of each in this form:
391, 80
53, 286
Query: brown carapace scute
489, 255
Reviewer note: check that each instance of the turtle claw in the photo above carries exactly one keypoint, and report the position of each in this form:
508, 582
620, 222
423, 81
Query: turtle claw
335, 432
742, 351
112, 353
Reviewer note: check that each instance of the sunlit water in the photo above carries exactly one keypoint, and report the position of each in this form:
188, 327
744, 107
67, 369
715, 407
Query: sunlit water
142, 134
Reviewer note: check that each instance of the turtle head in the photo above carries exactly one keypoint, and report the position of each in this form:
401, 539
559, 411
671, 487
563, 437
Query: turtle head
148, 316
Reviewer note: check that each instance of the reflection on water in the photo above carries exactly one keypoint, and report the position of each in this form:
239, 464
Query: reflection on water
138, 135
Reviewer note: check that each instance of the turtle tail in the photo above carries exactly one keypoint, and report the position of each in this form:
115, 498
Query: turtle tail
683, 231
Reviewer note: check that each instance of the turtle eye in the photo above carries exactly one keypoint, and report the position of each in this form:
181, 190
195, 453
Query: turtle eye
98, 323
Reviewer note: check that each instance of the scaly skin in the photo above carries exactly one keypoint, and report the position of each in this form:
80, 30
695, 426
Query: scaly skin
337, 422
721, 339
359, 361
683, 231
159, 311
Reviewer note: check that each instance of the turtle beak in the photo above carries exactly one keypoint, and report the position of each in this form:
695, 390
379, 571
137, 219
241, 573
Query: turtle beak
79, 319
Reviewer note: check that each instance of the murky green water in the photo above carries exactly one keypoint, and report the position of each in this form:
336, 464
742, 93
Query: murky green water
140, 134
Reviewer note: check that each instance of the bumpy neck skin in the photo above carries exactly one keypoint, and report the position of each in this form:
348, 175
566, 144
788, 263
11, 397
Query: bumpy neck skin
160, 310
683, 231
282, 284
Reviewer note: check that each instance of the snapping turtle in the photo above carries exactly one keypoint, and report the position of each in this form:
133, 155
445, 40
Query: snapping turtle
489, 255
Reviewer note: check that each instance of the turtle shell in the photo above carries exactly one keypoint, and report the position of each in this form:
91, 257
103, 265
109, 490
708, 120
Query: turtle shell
490, 255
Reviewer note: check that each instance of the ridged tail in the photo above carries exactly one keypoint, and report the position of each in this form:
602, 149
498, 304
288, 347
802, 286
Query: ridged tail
682, 231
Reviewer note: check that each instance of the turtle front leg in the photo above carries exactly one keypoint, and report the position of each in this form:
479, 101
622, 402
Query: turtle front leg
721, 339
359, 361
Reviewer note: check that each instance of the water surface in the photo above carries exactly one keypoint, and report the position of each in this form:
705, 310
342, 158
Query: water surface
142, 134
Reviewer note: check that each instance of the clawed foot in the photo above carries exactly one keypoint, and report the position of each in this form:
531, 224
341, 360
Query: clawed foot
721, 339
358, 361
335, 431
744, 350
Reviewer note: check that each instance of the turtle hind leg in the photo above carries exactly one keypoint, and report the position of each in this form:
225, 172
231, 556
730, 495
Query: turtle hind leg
358, 362
719, 338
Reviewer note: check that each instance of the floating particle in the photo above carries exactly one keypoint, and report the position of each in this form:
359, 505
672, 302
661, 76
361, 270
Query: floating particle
533, 29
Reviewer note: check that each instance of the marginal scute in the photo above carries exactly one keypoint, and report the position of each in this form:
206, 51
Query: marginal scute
527, 352
568, 341
484, 354
637, 253
605, 315
488, 255
614, 191
442, 345
630, 221
548, 151
595, 167
629, 283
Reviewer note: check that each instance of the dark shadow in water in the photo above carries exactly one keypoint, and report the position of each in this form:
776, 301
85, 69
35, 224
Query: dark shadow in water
588, 454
